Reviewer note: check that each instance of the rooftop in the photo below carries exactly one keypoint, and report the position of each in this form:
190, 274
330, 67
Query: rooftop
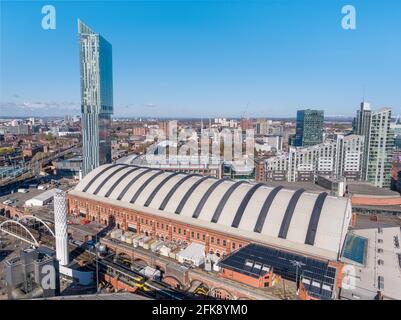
46, 195
382, 268
367, 189
297, 220
256, 260
309, 186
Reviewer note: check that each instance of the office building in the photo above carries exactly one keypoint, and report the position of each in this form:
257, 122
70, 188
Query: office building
96, 97
309, 129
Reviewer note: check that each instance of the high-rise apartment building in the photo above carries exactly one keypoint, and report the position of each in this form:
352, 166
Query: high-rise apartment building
96, 97
362, 127
379, 142
341, 157
309, 129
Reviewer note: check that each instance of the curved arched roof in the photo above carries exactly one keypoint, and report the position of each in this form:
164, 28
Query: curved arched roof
308, 222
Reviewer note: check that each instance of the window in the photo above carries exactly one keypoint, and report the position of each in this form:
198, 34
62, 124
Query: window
167, 227
203, 237
218, 241
197, 236
179, 230
192, 234
174, 229
224, 243
233, 245
212, 239
185, 232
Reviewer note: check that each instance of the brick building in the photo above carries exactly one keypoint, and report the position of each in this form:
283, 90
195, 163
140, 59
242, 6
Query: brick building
223, 215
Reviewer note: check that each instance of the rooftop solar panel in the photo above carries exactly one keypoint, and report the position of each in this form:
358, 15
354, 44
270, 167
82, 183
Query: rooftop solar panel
315, 290
248, 259
326, 294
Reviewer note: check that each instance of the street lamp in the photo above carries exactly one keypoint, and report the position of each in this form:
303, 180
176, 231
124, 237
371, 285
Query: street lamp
297, 264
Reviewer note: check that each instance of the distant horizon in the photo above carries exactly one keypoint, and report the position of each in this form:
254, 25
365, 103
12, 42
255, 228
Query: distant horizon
205, 119
206, 59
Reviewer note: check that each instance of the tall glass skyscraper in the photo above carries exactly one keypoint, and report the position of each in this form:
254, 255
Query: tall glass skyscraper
96, 97
309, 129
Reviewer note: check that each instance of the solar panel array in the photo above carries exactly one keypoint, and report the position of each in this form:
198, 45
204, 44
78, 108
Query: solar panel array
256, 260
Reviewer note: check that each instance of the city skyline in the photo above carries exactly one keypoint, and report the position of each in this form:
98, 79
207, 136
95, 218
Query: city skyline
221, 59
200, 150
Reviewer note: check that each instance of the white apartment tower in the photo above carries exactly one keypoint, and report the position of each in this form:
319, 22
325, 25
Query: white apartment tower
341, 157
379, 141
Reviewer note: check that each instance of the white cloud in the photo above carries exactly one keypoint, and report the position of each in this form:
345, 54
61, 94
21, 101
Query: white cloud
38, 108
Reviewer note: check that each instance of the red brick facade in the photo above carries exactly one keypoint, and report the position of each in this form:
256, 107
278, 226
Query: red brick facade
262, 282
260, 170
376, 201
158, 227
169, 229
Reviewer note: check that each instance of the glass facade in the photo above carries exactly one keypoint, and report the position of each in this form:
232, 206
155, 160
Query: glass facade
309, 130
96, 97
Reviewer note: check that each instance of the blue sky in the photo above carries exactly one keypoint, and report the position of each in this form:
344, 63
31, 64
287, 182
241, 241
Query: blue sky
206, 58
